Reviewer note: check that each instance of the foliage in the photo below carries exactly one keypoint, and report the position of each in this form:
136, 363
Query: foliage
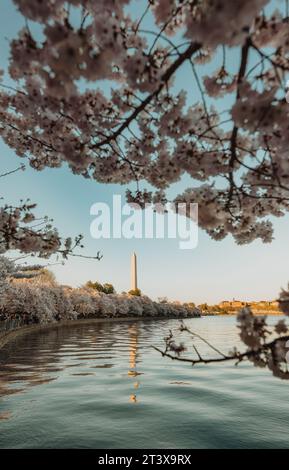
190, 304
136, 292
106, 288
94, 285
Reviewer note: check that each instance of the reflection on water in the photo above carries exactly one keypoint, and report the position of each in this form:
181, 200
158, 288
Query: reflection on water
133, 343
102, 385
40, 357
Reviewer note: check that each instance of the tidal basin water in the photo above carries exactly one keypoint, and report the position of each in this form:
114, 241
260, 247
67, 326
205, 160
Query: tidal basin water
101, 385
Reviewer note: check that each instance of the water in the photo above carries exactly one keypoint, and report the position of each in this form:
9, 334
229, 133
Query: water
102, 386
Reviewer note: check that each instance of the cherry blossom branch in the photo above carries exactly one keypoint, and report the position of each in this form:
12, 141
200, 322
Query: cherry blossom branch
254, 333
230, 357
143, 129
21, 167
241, 74
187, 54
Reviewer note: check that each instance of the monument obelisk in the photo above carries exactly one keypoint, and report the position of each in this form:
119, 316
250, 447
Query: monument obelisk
133, 280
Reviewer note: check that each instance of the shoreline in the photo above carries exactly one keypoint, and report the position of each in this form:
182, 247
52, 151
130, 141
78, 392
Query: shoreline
12, 335
234, 314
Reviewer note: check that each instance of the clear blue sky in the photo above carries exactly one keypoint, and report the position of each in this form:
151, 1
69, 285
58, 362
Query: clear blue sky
214, 271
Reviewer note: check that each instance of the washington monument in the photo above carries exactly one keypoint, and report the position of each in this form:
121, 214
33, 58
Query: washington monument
133, 280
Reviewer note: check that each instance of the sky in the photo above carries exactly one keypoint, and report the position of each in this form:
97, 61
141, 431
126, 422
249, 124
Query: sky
212, 272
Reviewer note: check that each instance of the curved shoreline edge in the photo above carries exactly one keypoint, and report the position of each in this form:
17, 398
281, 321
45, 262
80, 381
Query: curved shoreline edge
10, 336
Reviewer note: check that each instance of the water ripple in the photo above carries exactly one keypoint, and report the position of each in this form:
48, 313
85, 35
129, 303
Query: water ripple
102, 385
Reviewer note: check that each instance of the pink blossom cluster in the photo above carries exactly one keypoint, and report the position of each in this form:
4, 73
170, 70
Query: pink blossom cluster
21, 230
141, 128
254, 332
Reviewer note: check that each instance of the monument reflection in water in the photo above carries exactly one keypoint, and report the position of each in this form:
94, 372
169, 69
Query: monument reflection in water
133, 344
39, 358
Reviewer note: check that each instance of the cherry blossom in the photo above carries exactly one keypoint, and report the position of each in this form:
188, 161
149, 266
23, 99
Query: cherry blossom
21, 230
141, 129
32, 299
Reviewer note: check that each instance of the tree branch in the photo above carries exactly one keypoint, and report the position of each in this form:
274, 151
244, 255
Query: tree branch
194, 47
